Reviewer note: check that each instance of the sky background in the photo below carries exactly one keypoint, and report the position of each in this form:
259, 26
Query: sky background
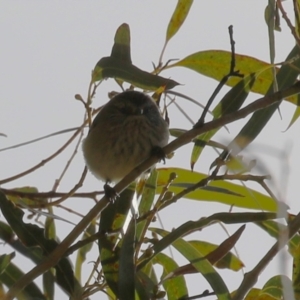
47, 53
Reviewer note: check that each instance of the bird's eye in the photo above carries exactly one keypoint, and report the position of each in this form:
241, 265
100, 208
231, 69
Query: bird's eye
126, 109
148, 110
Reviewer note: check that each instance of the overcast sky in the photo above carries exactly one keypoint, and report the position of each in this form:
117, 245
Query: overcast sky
48, 50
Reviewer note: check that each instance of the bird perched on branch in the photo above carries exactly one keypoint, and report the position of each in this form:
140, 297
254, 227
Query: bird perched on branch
126, 131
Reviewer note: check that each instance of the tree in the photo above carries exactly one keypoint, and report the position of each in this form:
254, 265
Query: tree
124, 269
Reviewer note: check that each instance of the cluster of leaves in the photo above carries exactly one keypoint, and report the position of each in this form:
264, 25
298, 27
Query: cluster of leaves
126, 253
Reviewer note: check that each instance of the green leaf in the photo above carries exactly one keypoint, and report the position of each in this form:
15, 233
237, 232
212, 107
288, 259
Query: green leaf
218, 191
5, 260
285, 77
296, 272
82, 252
24, 201
275, 229
191, 226
146, 204
126, 280
229, 261
48, 284
216, 63
109, 67
121, 47
175, 287
230, 103
112, 219
179, 15
296, 113
275, 285
11, 275
202, 265
32, 236
119, 66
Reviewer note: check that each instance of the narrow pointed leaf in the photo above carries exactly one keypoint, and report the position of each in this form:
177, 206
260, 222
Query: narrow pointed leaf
126, 280
119, 66
285, 77
229, 261
146, 204
215, 64
218, 191
274, 287
231, 102
121, 47
296, 272
11, 275
179, 15
176, 288
82, 252
274, 229
5, 260
112, 219
109, 67
203, 266
191, 226
33, 236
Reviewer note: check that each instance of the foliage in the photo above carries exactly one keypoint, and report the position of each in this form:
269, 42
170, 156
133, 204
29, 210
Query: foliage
129, 248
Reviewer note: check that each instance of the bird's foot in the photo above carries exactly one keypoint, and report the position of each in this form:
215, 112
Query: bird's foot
159, 153
110, 193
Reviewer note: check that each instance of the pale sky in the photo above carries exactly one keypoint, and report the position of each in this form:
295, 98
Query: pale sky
48, 50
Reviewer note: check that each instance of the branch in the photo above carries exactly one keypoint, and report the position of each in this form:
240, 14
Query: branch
231, 73
251, 278
53, 258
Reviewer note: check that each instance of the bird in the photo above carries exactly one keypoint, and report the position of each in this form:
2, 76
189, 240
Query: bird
127, 130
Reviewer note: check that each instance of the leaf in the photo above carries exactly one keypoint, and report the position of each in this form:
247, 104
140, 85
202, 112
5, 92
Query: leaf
33, 236
175, 287
214, 256
230, 103
112, 219
108, 67
296, 272
218, 191
24, 201
121, 47
229, 261
296, 113
5, 260
82, 252
119, 66
11, 275
285, 77
126, 280
179, 15
215, 64
146, 204
203, 266
275, 285
275, 229
192, 226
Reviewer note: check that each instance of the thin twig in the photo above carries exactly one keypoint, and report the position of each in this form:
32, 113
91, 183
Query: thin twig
53, 258
288, 21
46, 160
251, 277
231, 73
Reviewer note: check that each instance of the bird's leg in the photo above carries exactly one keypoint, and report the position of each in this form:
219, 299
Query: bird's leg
159, 153
110, 193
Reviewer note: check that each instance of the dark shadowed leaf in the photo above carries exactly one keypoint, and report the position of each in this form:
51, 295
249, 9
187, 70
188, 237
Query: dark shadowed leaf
32, 236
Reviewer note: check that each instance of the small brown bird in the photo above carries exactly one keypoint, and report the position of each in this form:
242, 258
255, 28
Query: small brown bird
123, 134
